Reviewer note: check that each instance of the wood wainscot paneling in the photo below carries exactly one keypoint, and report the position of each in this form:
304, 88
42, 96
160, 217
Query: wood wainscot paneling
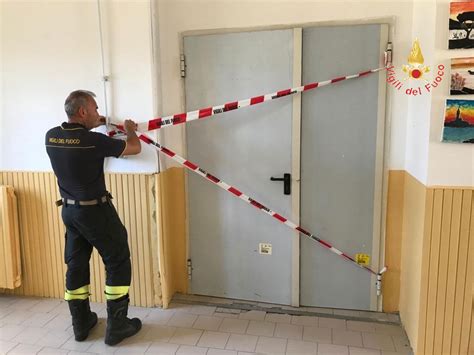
42, 235
447, 288
171, 206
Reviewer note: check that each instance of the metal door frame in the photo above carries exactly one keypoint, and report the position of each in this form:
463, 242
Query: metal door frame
382, 154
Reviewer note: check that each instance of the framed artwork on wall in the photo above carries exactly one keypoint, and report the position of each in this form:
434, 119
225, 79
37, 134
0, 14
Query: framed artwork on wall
461, 25
459, 121
462, 76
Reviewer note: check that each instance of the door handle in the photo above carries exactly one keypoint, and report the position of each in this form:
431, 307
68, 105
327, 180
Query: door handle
286, 183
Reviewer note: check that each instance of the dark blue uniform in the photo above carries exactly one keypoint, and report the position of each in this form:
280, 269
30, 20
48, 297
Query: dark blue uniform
77, 157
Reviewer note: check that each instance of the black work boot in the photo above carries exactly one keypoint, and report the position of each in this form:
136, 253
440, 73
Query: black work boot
119, 326
83, 320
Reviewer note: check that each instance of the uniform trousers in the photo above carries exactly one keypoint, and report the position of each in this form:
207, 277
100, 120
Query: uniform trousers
99, 227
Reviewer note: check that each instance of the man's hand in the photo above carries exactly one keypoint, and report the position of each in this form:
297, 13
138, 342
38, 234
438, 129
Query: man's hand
130, 126
133, 143
100, 122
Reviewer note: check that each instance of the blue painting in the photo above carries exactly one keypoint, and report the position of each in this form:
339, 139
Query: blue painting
459, 121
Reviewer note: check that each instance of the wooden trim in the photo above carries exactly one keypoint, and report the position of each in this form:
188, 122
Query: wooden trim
172, 240
393, 241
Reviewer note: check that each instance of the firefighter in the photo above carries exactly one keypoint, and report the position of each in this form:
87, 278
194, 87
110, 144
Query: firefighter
77, 157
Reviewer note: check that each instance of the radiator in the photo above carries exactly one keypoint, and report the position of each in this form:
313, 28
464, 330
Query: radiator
10, 262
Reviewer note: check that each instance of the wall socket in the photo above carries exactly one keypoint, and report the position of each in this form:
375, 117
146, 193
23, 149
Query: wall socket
265, 248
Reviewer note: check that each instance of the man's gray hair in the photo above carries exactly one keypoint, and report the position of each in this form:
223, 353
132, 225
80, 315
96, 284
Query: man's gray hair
75, 100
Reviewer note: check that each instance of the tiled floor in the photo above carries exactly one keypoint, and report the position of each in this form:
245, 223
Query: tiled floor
43, 326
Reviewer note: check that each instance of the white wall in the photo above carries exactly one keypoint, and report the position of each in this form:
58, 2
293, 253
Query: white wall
177, 16
419, 107
52, 48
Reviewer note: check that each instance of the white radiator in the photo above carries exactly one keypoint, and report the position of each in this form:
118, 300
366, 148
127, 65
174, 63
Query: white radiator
10, 262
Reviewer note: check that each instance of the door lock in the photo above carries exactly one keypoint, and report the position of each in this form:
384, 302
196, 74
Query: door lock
286, 183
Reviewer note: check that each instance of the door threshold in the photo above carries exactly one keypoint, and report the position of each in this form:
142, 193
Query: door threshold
235, 306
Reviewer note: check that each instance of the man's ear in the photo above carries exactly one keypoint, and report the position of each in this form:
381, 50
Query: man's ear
82, 111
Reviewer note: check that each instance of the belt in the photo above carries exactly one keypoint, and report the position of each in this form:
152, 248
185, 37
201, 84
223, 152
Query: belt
67, 201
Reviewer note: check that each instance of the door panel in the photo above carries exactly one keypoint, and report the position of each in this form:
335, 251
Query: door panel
244, 148
338, 163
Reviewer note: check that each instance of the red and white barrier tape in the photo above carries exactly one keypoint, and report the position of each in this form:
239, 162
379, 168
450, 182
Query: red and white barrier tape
236, 192
179, 118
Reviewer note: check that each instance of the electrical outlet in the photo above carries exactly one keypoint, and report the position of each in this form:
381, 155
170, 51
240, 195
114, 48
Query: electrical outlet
265, 248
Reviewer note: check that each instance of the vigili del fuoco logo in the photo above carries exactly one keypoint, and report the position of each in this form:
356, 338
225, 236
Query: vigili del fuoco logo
414, 82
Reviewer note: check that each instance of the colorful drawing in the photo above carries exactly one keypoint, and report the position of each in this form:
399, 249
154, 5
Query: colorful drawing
461, 24
462, 76
459, 121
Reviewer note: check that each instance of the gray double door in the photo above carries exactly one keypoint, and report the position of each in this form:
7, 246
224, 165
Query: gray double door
334, 160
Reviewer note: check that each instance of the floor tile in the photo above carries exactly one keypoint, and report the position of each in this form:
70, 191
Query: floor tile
181, 319
30, 335
159, 348
332, 323
62, 308
25, 349
7, 300
59, 322
253, 315
133, 346
378, 341
305, 320
25, 303
230, 325
73, 345
346, 337
186, 349
207, 323
288, 331
9, 331
226, 315
38, 319
5, 346
53, 351
186, 336
138, 312
278, 318
5, 311
301, 347
241, 342
156, 332
318, 335
261, 328
187, 328
54, 338
17, 317
99, 347
47, 305
268, 345
211, 339
363, 351
221, 352
328, 349
202, 310
158, 317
